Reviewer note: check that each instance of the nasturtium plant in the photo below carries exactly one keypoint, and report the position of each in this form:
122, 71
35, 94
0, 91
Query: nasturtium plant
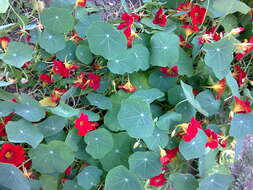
120, 95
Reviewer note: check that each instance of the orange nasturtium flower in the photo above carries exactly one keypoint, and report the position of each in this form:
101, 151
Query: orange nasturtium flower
219, 88
4, 42
81, 3
240, 106
189, 130
128, 87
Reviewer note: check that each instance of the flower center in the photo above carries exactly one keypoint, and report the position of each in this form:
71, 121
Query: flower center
8, 155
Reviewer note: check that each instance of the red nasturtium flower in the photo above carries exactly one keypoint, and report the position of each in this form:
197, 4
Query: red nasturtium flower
242, 49
190, 130
128, 87
93, 81
212, 137
239, 75
57, 93
170, 72
219, 88
81, 3
46, 79
183, 42
168, 155
184, 6
12, 154
157, 181
4, 42
3, 122
63, 69
160, 18
67, 171
197, 14
83, 125
189, 29
240, 106
210, 35
128, 21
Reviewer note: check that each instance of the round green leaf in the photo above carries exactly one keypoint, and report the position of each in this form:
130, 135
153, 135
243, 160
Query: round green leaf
6, 108
145, 164
191, 99
62, 3
149, 95
12, 178
100, 101
216, 182
164, 49
186, 110
49, 182
99, 143
158, 80
185, 65
181, 181
68, 53
57, 20
135, 116
73, 139
52, 43
17, 54
176, 95
241, 125
4, 6
29, 112
136, 58
55, 156
52, 125
208, 102
106, 41
121, 178
119, 154
71, 185
64, 110
83, 54
89, 177
168, 120
195, 148
218, 56
158, 139
23, 132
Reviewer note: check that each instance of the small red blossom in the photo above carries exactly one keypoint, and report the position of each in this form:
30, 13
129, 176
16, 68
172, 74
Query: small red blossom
189, 29
210, 36
242, 49
195, 92
190, 130
239, 75
76, 38
83, 125
67, 171
157, 181
160, 18
57, 93
219, 88
12, 154
184, 6
27, 64
46, 79
213, 140
240, 106
3, 122
128, 87
4, 42
183, 42
128, 21
236, 31
81, 3
168, 156
93, 81
170, 72
197, 14
63, 69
